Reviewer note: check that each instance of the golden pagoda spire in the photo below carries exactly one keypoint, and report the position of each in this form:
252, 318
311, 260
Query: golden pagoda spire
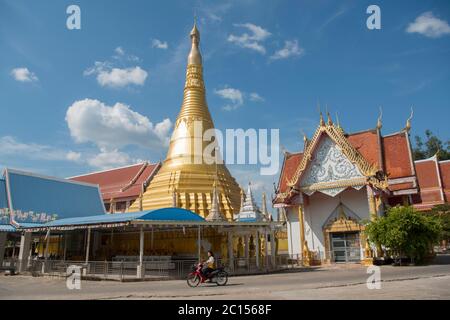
186, 169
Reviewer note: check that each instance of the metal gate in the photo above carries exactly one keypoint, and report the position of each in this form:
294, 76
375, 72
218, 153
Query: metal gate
346, 247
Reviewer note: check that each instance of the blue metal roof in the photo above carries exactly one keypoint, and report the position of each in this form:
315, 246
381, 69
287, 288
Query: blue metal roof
52, 196
3, 197
171, 214
7, 228
165, 214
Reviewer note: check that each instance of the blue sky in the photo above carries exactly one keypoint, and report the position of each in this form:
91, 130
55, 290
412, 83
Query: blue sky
275, 60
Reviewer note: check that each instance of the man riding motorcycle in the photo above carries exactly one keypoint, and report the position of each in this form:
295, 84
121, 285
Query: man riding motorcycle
209, 265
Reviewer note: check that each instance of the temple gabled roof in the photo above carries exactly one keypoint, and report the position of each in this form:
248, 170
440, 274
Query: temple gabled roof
374, 154
121, 183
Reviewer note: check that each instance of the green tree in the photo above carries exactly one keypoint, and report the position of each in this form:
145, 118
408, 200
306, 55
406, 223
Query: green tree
430, 147
405, 231
442, 212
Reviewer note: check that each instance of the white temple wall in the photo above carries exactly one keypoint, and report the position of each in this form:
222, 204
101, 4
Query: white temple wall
293, 229
321, 206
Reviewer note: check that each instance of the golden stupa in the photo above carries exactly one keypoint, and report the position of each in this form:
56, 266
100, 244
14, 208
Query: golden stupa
185, 180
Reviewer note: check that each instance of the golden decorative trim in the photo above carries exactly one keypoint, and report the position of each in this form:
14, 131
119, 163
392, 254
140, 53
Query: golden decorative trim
338, 137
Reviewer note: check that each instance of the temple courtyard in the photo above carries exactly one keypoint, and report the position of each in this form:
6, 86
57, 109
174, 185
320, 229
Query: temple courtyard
331, 282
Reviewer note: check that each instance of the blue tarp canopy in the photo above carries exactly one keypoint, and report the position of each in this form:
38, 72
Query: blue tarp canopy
165, 214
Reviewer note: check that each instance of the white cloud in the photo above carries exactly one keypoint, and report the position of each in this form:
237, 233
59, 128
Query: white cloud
108, 159
23, 75
428, 25
10, 146
108, 76
114, 126
256, 97
119, 51
290, 49
159, 44
250, 40
122, 77
236, 97
73, 156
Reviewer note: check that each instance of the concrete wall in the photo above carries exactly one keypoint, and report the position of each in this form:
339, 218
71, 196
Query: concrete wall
320, 208
293, 229
317, 211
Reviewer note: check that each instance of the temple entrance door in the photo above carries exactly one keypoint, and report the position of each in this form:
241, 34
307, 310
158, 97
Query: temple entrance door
346, 247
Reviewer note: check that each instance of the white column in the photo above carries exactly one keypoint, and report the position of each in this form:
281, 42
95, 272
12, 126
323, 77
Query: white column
2, 246
88, 241
47, 244
65, 246
25, 244
199, 244
257, 249
272, 248
140, 271
230, 250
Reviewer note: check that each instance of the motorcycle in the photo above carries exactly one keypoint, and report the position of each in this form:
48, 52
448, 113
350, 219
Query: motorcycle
195, 277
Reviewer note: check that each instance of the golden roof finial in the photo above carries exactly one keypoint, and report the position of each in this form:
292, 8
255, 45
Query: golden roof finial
408, 122
322, 122
379, 121
330, 122
194, 56
305, 139
339, 123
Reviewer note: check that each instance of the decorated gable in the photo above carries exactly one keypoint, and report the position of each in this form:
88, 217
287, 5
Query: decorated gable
330, 171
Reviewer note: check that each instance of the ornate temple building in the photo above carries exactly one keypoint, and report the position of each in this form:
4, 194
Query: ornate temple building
340, 180
185, 179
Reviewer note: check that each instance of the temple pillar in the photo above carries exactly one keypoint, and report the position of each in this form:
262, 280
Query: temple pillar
140, 268
2, 246
88, 242
257, 249
272, 249
230, 251
47, 245
303, 247
247, 251
24, 252
199, 244
373, 211
266, 251
65, 246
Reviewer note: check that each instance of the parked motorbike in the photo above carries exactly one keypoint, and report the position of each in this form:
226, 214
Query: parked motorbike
195, 277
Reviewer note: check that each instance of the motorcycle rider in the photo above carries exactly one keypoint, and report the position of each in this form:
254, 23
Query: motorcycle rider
209, 265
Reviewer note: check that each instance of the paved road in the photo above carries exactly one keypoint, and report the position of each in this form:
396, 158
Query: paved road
337, 282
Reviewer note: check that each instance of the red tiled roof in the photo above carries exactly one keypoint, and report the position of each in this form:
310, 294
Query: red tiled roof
120, 183
366, 143
429, 182
290, 165
392, 150
444, 167
397, 157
